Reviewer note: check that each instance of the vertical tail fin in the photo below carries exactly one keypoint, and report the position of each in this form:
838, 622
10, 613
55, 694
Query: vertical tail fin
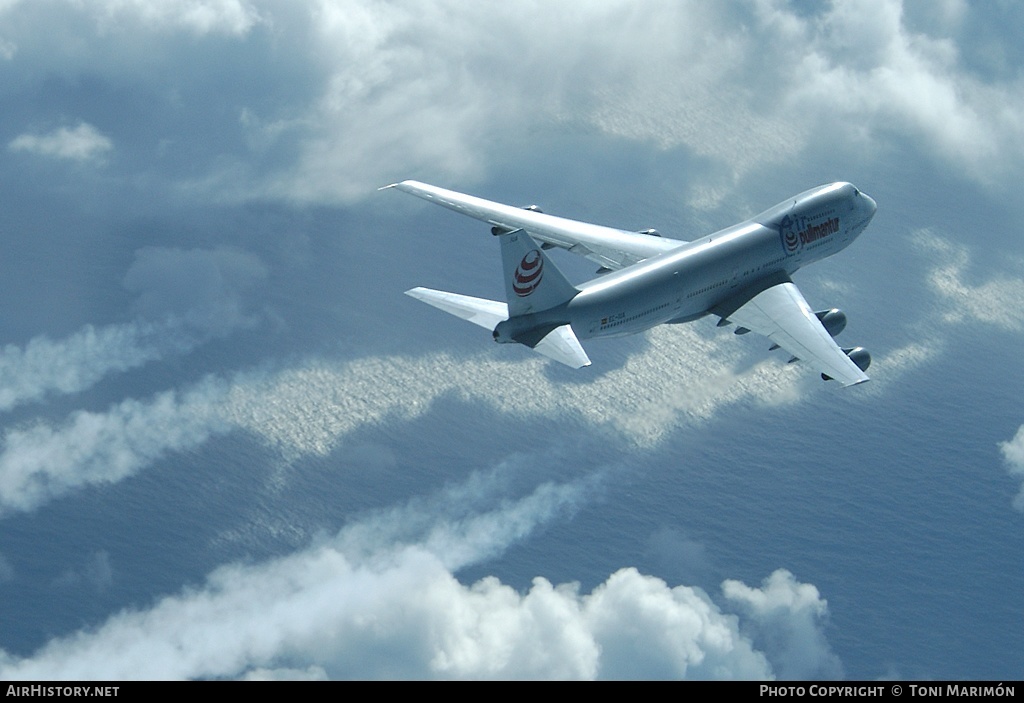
532, 281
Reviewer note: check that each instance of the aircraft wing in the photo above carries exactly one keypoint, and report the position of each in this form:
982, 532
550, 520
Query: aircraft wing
781, 314
611, 248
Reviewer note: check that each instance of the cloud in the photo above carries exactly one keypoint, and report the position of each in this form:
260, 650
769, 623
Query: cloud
195, 295
413, 89
77, 362
1013, 454
112, 16
82, 143
861, 64
198, 16
308, 408
368, 605
40, 463
313, 673
995, 301
785, 617
958, 301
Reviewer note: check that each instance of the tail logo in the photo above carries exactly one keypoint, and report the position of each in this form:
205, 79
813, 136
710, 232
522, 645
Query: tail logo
528, 273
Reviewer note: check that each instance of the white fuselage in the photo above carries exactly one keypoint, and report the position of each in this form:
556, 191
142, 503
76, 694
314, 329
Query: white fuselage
700, 277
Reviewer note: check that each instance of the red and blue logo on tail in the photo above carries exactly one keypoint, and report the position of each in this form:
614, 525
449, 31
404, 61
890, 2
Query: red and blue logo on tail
528, 273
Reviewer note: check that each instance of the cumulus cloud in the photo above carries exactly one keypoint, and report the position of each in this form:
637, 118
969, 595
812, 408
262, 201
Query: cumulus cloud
413, 88
1013, 454
364, 605
862, 64
39, 463
785, 617
81, 143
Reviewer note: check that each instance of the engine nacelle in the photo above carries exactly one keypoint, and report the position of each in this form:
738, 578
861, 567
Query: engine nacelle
834, 320
859, 356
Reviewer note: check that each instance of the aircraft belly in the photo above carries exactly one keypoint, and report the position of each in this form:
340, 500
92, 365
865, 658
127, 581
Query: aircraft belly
683, 286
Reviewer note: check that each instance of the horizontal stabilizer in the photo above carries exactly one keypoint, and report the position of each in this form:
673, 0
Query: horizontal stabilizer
561, 345
479, 311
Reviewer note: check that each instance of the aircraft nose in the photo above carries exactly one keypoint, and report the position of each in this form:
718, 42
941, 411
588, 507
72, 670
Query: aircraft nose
867, 202
871, 202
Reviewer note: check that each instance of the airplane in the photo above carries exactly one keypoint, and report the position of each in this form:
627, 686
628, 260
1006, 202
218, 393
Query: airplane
741, 274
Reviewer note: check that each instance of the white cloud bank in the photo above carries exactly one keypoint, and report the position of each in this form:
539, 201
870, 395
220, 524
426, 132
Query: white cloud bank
1013, 454
39, 463
419, 88
416, 88
44, 367
81, 143
310, 409
368, 605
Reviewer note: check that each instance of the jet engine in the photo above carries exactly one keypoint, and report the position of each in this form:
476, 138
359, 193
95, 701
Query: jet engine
858, 355
834, 321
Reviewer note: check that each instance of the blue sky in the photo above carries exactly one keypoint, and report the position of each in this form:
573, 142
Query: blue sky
232, 448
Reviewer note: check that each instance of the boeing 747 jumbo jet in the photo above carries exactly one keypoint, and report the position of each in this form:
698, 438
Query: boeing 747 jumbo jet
740, 274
